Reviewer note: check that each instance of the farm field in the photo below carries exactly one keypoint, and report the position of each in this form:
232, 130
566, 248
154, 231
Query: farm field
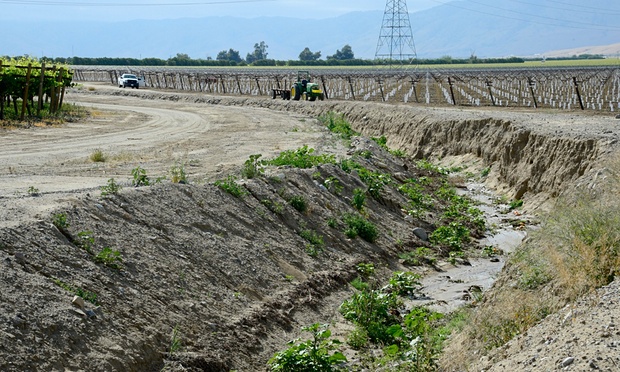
210, 281
575, 86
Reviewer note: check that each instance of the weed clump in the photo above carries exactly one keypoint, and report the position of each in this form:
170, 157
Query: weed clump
231, 186
301, 158
359, 226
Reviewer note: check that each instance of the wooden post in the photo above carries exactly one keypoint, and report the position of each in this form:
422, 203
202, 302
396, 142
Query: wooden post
25, 99
260, 93
415, 93
223, 85
62, 89
238, 85
53, 90
1, 96
381, 90
324, 87
351, 87
489, 85
451, 91
41, 83
578, 93
531, 84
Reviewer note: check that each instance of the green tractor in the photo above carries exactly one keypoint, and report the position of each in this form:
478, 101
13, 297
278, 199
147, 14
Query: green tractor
303, 87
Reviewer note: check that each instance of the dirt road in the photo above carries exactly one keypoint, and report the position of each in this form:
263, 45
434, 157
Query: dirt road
131, 132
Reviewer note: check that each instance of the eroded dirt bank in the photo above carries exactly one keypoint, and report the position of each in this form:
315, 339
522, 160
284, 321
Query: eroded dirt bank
232, 275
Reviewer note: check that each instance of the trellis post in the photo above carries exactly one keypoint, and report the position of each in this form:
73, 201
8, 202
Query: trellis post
25, 99
531, 84
578, 93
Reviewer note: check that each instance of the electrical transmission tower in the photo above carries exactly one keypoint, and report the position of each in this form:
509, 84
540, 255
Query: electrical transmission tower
396, 39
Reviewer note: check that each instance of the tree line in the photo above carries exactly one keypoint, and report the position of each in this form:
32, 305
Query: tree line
259, 57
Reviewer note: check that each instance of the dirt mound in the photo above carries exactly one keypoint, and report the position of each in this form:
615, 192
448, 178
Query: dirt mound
231, 277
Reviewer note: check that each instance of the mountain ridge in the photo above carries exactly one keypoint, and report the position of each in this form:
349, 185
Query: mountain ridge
446, 30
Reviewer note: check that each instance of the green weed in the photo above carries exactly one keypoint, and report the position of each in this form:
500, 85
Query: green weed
85, 240
299, 203
333, 185
336, 123
178, 174
175, 341
252, 167
301, 158
33, 191
86, 295
315, 355
359, 226
359, 199
230, 185
111, 188
453, 235
110, 258
139, 177
60, 221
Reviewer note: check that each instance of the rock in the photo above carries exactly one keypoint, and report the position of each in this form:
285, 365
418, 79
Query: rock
91, 314
568, 361
20, 258
420, 233
78, 301
79, 312
617, 116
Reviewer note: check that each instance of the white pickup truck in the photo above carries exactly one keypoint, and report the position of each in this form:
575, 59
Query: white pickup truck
130, 80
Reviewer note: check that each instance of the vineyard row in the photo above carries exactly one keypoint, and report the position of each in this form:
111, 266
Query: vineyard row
559, 88
26, 82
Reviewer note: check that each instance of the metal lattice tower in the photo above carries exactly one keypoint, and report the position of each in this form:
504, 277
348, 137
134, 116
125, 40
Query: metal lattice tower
396, 39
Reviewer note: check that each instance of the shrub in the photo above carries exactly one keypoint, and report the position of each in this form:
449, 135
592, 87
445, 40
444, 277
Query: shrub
359, 226
299, 202
97, 156
359, 199
373, 311
314, 355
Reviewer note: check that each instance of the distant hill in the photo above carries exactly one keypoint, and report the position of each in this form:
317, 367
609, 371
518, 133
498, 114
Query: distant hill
612, 51
457, 29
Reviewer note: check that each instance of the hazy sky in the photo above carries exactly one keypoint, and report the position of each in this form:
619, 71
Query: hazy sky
123, 10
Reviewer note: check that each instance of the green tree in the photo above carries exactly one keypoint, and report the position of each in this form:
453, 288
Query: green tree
307, 55
260, 52
230, 55
344, 54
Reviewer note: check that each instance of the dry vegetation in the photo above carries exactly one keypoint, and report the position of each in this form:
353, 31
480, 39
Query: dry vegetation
576, 251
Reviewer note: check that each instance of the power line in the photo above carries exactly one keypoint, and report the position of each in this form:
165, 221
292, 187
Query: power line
598, 28
597, 11
537, 16
102, 4
580, 6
